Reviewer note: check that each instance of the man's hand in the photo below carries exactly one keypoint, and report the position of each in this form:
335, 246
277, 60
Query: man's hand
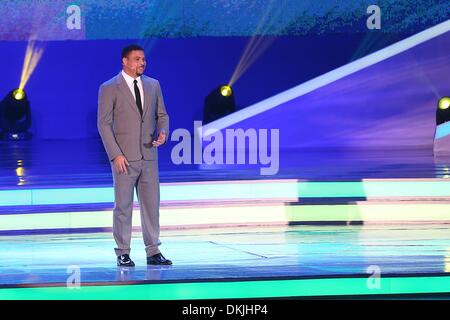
161, 139
121, 163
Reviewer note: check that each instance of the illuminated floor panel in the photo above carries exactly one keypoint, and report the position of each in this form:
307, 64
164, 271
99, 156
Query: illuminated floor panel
289, 190
237, 289
268, 214
234, 263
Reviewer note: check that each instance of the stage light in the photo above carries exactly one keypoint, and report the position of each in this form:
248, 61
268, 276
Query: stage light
19, 94
15, 116
442, 133
444, 103
443, 111
261, 39
225, 91
218, 103
33, 54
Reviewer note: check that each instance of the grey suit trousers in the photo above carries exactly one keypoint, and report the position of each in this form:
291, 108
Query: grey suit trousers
142, 176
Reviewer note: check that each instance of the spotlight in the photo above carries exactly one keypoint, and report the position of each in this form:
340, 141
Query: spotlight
444, 103
15, 116
18, 94
218, 103
226, 91
441, 145
443, 111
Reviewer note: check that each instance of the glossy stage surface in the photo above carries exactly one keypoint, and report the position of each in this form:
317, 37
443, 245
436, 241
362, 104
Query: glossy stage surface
218, 256
331, 223
234, 253
73, 163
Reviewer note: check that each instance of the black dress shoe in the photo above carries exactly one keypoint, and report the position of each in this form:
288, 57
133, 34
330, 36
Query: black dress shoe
158, 259
124, 261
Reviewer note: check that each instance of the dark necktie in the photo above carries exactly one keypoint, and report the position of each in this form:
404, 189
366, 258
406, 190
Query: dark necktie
137, 93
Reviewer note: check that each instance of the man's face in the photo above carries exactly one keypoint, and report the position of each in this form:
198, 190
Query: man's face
135, 63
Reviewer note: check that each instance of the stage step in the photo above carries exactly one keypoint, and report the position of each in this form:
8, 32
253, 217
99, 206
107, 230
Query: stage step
225, 215
244, 190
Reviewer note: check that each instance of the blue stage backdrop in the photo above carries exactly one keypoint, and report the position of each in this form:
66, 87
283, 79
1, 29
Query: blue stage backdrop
391, 103
194, 46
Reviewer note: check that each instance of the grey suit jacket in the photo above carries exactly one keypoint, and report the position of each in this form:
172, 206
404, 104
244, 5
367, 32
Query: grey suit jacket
121, 127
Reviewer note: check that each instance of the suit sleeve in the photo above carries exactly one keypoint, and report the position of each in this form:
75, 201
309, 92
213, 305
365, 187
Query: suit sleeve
105, 121
162, 117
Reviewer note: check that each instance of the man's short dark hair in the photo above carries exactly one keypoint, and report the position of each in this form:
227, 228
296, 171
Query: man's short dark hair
132, 47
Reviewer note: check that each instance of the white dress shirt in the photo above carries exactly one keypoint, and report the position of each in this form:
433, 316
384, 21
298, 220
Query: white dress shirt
130, 82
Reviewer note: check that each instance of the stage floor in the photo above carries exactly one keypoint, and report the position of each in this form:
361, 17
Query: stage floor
224, 256
331, 223
83, 163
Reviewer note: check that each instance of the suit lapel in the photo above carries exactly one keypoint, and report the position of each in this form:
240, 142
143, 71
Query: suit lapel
147, 88
123, 87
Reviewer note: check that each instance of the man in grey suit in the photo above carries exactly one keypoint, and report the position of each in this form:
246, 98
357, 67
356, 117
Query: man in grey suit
133, 123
